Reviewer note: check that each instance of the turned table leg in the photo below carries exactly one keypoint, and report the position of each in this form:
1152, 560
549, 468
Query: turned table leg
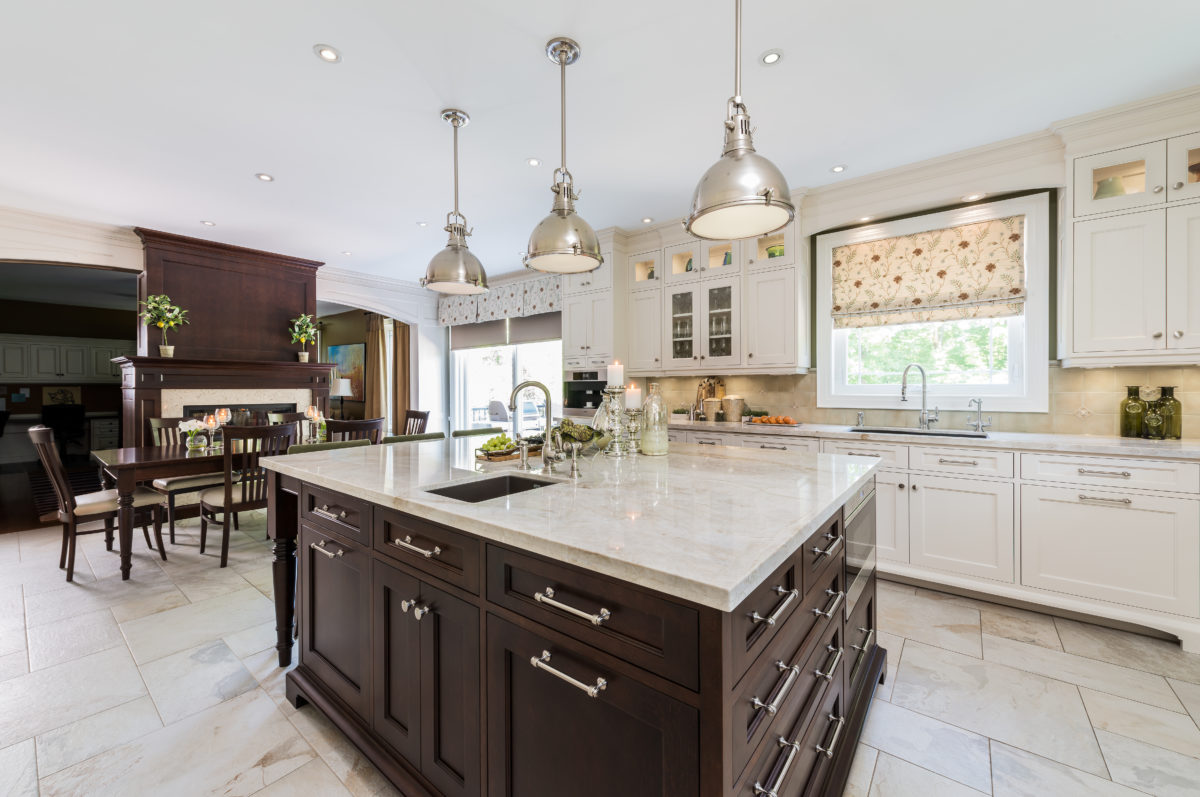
125, 487
284, 568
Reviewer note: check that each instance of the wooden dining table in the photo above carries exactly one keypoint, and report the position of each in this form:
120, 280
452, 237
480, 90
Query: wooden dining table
127, 467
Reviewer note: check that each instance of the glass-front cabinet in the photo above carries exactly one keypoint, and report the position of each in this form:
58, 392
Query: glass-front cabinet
1183, 167
1131, 177
682, 262
683, 336
645, 271
720, 258
704, 324
772, 250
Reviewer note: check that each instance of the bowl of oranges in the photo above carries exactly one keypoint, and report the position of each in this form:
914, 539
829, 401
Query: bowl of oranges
775, 420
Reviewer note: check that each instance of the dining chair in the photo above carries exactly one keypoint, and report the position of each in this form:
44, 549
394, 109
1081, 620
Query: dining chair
75, 509
415, 421
475, 432
371, 429
297, 418
413, 438
302, 448
165, 432
245, 483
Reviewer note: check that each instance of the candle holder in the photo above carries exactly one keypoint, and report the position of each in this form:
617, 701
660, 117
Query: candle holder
616, 423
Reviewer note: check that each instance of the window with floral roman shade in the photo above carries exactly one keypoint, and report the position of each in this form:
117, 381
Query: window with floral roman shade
968, 271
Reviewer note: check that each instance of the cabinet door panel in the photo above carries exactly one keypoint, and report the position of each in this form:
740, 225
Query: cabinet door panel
101, 368
600, 329
962, 526
397, 655
1089, 542
722, 322
681, 348
577, 322
44, 360
645, 321
75, 361
682, 263
1183, 167
645, 271
891, 514
14, 360
450, 708
1119, 299
1121, 179
1183, 276
547, 736
770, 308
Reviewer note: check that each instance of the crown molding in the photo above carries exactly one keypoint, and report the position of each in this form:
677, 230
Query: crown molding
401, 299
31, 237
1155, 117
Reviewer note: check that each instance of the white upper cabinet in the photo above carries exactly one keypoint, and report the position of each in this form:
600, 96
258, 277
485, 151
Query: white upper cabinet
1183, 277
645, 271
773, 250
645, 331
681, 263
588, 330
681, 331
770, 307
1183, 167
61, 360
600, 329
720, 259
1122, 179
597, 280
722, 323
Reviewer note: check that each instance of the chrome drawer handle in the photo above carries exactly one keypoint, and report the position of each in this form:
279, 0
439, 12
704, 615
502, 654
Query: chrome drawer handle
323, 511
773, 789
837, 600
706, 442
866, 642
546, 596
591, 690
407, 545
944, 461
1120, 474
837, 732
863, 454
777, 448
1101, 499
837, 659
773, 706
819, 552
319, 547
792, 594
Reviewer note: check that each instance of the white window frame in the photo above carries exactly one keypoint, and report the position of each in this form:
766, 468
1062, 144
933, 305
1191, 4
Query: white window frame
1029, 339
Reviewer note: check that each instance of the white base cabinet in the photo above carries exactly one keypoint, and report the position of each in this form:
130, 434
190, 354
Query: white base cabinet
962, 526
891, 516
1124, 547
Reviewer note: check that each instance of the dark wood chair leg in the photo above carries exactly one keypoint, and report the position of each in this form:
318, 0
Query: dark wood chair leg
71, 533
108, 533
62, 557
203, 529
235, 521
146, 534
162, 551
171, 515
225, 539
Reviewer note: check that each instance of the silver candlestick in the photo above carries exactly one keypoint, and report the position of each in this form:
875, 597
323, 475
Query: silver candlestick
616, 424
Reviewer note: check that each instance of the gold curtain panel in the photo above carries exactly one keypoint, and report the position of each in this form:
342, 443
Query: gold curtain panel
971, 271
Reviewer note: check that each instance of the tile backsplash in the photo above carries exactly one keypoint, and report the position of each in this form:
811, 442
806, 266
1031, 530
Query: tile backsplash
1082, 401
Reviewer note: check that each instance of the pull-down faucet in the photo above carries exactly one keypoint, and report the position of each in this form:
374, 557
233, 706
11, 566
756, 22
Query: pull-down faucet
925, 419
549, 457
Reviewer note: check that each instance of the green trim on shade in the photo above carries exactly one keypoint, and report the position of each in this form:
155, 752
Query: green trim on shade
301, 448
412, 438
475, 432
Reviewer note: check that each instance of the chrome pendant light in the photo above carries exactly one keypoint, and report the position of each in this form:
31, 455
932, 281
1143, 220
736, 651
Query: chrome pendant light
743, 194
455, 269
563, 243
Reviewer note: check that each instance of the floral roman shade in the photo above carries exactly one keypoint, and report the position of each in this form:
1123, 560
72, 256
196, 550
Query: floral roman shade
515, 299
970, 271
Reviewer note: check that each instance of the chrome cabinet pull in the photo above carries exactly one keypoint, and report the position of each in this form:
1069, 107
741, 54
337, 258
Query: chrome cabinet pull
837, 600
1124, 474
419, 612
1157, 335
1177, 184
773, 706
1101, 499
866, 642
547, 596
1178, 334
944, 461
706, 442
773, 789
323, 511
540, 662
862, 454
840, 722
819, 552
1158, 189
837, 659
407, 545
776, 448
792, 594
406, 605
319, 547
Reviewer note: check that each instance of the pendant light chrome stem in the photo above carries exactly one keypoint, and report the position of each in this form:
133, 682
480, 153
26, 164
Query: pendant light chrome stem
737, 52
562, 70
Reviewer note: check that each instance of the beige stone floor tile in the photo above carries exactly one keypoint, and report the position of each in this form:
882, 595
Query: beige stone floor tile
1189, 695
18, 770
146, 590
1139, 652
862, 768
897, 778
46, 699
929, 743
1155, 726
998, 701
190, 681
10, 549
14, 664
63, 640
252, 640
358, 774
942, 623
107, 564
1148, 768
1019, 625
233, 749
187, 626
264, 666
314, 778
1098, 675
82, 739
263, 578
208, 581
12, 620
1018, 773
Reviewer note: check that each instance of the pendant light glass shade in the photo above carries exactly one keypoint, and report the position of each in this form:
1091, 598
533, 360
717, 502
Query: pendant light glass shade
742, 195
563, 243
455, 269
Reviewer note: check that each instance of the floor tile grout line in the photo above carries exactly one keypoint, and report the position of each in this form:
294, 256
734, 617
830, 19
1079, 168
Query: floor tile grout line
1171, 686
930, 771
1133, 634
89, 716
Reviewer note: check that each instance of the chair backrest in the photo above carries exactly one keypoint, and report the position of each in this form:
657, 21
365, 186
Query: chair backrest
412, 438
244, 447
474, 432
166, 431
301, 448
43, 441
370, 429
294, 418
414, 421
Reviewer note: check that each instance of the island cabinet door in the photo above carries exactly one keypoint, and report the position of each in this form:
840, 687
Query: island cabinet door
335, 587
559, 723
397, 660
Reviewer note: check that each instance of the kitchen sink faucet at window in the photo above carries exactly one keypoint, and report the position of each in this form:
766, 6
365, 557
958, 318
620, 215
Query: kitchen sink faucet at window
925, 420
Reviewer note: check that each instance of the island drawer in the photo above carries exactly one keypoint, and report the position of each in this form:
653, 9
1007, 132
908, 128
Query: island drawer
757, 619
429, 547
646, 630
335, 512
788, 681
893, 456
822, 550
1146, 474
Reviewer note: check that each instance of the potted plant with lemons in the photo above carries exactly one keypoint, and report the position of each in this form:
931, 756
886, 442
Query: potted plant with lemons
304, 331
158, 311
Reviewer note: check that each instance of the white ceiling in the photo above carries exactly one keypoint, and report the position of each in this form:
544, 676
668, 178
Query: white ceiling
143, 112
70, 285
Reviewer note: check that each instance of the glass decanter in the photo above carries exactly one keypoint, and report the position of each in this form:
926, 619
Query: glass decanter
1133, 412
654, 423
1172, 414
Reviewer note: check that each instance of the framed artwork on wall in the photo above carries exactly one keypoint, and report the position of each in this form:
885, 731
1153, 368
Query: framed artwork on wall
349, 360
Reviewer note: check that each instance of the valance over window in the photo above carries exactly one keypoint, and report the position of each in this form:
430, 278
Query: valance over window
970, 271
517, 299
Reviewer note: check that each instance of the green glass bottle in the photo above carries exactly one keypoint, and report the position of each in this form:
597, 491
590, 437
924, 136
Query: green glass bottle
1133, 413
1172, 414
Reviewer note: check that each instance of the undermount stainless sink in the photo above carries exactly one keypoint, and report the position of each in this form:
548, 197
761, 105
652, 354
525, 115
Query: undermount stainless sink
921, 432
494, 487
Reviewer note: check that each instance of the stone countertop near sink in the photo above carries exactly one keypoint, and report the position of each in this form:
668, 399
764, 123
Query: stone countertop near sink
704, 525
1101, 445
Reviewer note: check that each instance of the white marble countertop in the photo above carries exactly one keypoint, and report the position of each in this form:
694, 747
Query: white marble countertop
1012, 441
700, 524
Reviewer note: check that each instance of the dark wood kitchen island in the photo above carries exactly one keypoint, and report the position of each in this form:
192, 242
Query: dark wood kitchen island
696, 624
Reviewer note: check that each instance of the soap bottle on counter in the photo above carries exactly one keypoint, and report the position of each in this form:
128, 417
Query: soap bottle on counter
1133, 412
1172, 414
654, 423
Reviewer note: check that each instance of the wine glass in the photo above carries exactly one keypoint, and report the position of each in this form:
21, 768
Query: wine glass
210, 424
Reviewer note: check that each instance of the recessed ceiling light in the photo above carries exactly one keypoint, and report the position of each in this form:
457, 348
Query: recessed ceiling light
838, 169
421, 223
208, 223
771, 57
973, 197
866, 218
347, 253
647, 220
327, 53
534, 162
266, 178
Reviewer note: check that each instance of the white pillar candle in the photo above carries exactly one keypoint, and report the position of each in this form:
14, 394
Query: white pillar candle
616, 374
633, 398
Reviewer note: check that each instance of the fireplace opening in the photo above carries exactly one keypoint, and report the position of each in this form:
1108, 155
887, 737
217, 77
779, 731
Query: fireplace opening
243, 415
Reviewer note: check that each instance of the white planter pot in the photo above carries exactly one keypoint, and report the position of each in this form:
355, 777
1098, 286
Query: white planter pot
303, 355
166, 351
